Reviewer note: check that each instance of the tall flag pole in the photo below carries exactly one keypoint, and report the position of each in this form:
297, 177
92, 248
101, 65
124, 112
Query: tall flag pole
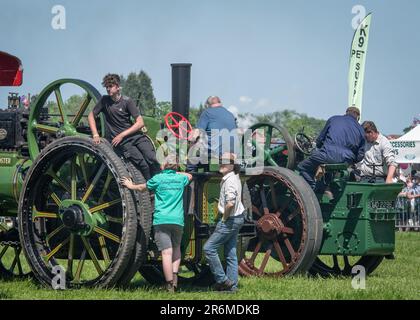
357, 63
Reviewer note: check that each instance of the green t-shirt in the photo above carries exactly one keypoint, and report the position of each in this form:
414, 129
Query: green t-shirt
169, 189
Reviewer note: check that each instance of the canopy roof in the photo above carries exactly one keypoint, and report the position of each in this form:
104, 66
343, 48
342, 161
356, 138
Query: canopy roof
11, 71
413, 134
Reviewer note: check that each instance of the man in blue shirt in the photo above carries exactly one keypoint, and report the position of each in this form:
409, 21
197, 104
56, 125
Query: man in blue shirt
219, 126
341, 141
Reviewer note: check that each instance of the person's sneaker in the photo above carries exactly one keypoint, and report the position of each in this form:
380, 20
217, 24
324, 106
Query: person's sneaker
224, 286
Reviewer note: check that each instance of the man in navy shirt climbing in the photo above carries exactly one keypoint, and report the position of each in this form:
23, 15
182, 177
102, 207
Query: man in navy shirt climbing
217, 127
341, 141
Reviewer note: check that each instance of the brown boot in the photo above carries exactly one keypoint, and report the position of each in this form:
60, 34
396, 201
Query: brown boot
175, 280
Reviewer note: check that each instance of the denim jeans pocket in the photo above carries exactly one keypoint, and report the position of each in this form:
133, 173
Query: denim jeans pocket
238, 222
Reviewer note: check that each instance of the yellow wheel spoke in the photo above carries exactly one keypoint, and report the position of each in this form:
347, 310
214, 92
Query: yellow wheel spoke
51, 173
114, 219
92, 255
93, 184
60, 105
106, 186
56, 199
104, 249
107, 234
81, 111
73, 179
56, 249
80, 266
82, 165
53, 233
105, 205
45, 128
41, 214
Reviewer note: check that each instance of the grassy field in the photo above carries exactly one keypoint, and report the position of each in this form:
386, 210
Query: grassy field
394, 279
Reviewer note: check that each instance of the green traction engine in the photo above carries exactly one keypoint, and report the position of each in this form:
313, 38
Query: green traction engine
64, 213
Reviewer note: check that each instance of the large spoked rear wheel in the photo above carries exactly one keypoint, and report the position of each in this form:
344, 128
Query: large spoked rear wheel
74, 217
289, 224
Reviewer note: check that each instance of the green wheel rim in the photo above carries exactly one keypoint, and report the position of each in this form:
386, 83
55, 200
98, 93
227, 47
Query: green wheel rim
39, 126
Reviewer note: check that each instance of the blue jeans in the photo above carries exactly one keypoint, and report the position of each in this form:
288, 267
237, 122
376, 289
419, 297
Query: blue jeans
226, 234
307, 168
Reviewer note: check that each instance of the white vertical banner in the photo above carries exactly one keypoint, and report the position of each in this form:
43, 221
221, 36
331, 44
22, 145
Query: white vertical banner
357, 63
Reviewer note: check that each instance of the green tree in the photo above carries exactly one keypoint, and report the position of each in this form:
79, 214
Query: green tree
139, 88
162, 108
73, 103
195, 114
294, 122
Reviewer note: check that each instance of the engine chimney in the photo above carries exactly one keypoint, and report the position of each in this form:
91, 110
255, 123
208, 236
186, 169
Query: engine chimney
181, 76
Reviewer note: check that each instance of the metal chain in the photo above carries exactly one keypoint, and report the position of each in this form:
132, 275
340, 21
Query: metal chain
15, 244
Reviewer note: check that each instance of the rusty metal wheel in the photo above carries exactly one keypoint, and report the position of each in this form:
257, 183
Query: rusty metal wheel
289, 224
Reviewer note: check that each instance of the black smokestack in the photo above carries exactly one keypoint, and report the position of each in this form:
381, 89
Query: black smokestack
181, 78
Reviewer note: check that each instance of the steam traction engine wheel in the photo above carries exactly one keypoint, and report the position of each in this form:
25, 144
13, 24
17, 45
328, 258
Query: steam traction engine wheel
44, 127
289, 224
74, 217
273, 142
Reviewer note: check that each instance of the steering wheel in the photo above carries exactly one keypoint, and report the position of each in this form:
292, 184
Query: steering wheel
303, 143
178, 125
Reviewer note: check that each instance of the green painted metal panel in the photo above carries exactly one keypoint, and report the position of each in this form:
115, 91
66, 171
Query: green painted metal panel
361, 221
11, 167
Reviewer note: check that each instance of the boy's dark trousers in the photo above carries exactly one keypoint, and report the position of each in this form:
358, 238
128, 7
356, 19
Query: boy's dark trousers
139, 150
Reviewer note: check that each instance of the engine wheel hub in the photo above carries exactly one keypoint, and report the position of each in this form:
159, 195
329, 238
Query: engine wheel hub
73, 218
270, 226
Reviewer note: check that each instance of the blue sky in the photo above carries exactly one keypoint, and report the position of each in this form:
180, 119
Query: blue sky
259, 56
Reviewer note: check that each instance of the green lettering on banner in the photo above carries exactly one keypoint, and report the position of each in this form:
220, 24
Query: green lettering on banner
403, 144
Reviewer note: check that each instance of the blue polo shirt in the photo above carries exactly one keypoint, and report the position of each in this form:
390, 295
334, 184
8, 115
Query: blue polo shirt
169, 189
218, 118
342, 140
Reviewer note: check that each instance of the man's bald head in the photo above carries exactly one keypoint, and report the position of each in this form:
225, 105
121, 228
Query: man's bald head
354, 112
213, 101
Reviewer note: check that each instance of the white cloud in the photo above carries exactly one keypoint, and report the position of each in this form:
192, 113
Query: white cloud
245, 99
263, 102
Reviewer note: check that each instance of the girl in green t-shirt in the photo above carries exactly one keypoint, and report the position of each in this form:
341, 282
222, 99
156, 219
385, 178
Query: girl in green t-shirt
168, 217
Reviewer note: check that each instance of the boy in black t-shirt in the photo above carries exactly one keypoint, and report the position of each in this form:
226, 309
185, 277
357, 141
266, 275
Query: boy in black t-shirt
124, 135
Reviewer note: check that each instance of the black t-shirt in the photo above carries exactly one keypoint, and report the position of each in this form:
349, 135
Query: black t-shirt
117, 114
